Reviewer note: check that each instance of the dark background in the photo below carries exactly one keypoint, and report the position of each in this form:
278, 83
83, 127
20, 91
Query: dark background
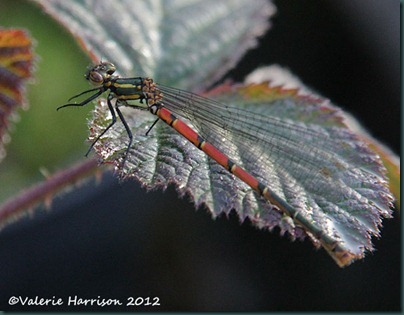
115, 240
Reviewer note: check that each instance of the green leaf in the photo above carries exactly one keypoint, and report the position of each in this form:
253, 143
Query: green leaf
166, 40
298, 145
16, 65
294, 142
282, 77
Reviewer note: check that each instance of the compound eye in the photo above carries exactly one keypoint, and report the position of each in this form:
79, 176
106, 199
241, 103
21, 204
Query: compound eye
95, 77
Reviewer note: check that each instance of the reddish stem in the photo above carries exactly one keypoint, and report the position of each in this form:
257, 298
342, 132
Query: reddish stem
16, 206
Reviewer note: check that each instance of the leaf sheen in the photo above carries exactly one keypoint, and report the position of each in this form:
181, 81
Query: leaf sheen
298, 145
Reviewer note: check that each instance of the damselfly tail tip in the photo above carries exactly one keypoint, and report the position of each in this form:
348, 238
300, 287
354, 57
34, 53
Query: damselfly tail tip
341, 255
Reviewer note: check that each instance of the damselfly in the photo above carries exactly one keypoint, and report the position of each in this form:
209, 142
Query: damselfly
255, 134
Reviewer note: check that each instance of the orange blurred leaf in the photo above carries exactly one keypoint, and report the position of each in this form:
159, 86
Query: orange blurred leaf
16, 66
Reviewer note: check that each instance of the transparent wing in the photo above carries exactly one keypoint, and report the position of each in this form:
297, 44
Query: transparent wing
325, 171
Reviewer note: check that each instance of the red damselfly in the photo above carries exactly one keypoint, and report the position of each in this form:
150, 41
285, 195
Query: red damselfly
221, 127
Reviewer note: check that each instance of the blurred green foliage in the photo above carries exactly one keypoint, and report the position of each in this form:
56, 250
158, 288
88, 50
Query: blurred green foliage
44, 138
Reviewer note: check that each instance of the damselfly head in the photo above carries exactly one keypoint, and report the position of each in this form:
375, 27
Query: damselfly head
100, 73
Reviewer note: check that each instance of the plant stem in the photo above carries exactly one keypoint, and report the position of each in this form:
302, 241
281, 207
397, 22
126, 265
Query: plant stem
19, 205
